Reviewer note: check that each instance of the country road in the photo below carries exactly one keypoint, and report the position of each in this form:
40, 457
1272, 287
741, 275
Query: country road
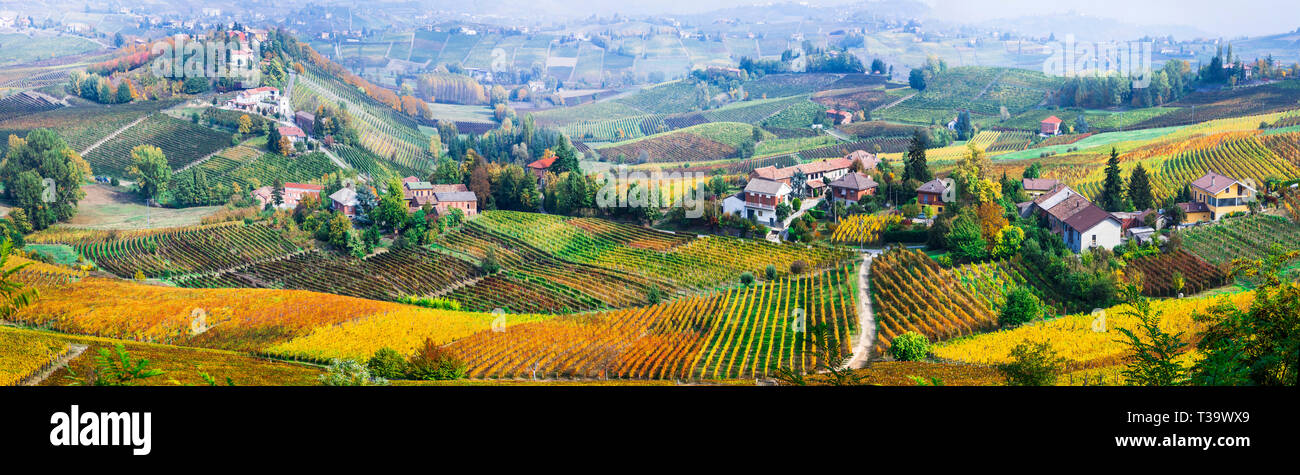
866, 318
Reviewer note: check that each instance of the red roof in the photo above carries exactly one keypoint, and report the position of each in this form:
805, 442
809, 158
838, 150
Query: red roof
1052, 120
263, 89
303, 186
410, 179
543, 162
291, 131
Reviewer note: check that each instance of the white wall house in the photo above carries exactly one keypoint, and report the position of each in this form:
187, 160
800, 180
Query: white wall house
1092, 228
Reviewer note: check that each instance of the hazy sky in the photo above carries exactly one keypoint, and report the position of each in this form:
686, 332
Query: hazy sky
1228, 18
1220, 17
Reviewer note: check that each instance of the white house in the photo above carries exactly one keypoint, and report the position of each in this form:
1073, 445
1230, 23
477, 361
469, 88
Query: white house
762, 197
1090, 228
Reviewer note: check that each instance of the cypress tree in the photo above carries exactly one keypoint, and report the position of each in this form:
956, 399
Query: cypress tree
1139, 189
1112, 194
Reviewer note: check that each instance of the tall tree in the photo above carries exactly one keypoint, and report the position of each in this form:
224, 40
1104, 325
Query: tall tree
916, 167
150, 170
43, 176
1139, 189
1260, 344
1112, 193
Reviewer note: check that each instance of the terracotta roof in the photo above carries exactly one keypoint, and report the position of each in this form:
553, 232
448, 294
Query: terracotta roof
933, 186
543, 162
826, 165
854, 181
1038, 183
1052, 120
1088, 217
303, 186
773, 173
291, 131
818, 183
410, 179
1213, 182
769, 187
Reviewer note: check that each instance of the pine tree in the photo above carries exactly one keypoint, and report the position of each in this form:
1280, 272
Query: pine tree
1139, 189
1112, 194
916, 167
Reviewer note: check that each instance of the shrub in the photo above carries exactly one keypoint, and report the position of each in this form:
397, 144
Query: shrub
349, 373
798, 267
770, 272
747, 278
1032, 364
910, 346
387, 363
435, 362
1021, 307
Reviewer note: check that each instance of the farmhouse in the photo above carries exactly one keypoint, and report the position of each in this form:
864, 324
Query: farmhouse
816, 174
539, 166
1090, 228
1221, 195
1081, 224
442, 198
852, 187
294, 134
762, 197
930, 196
345, 201
1035, 187
263, 195
1050, 126
295, 192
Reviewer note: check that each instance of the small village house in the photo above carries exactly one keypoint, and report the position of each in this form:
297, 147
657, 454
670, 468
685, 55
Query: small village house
852, 187
762, 197
1050, 126
930, 196
540, 166
344, 201
294, 134
1221, 195
1035, 187
295, 192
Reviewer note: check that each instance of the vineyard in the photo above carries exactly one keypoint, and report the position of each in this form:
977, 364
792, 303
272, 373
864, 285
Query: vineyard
270, 167
181, 141
384, 276
753, 111
688, 261
1246, 237
1160, 271
1174, 163
24, 353
911, 292
82, 126
672, 147
22, 104
383, 131
1075, 337
613, 130
863, 229
739, 333
182, 251
875, 145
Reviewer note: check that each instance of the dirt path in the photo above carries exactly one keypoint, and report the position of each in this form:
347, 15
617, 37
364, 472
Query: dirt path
892, 104
36, 379
866, 319
114, 134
